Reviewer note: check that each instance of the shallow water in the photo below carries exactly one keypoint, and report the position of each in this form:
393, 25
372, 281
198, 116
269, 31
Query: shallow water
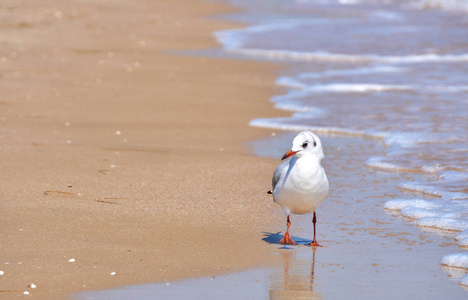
368, 248
251, 284
394, 71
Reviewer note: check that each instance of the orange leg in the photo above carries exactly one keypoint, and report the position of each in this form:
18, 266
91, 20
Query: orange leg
314, 242
287, 239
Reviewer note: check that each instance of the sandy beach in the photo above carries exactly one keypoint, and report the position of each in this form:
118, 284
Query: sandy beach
127, 157
118, 156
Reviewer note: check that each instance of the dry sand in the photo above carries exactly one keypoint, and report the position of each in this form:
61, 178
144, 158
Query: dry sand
122, 156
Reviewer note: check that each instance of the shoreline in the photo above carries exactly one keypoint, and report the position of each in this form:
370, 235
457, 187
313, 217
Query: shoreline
116, 154
366, 249
133, 162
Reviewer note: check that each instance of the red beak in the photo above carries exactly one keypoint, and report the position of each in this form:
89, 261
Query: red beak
289, 154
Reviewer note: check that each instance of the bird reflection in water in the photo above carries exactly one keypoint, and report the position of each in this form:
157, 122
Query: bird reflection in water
296, 279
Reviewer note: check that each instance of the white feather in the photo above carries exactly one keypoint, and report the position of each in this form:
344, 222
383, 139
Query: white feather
300, 184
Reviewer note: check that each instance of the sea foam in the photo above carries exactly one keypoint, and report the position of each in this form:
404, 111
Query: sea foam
373, 69
457, 260
285, 124
233, 40
464, 280
440, 214
462, 238
441, 222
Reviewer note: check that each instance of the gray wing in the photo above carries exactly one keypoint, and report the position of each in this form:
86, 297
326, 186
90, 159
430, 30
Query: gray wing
279, 173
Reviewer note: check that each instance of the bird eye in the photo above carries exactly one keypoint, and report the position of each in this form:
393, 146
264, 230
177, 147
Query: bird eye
315, 144
305, 145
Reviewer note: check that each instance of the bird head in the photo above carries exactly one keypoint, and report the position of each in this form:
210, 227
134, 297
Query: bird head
306, 143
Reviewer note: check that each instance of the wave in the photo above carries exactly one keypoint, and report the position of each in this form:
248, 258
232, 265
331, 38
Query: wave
291, 55
292, 82
375, 69
283, 124
357, 88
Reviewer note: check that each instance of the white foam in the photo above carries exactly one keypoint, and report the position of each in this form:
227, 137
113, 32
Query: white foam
294, 106
462, 235
307, 114
417, 213
457, 260
440, 214
290, 82
290, 102
399, 204
432, 169
443, 223
464, 280
421, 188
433, 189
300, 55
353, 72
292, 95
408, 139
283, 124
279, 123
357, 88
230, 39
324, 55
377, 162
462, 238
362, 87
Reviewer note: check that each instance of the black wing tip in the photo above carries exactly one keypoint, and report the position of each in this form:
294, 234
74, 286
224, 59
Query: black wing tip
270, 192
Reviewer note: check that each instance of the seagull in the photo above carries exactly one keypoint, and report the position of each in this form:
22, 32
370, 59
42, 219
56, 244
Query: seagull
300, 183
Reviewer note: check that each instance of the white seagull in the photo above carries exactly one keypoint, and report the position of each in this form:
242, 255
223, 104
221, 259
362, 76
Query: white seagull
300, 184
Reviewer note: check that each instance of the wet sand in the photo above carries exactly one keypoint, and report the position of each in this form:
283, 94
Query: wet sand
118, 156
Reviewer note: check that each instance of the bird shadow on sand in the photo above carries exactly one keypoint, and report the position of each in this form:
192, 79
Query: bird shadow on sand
275, 238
